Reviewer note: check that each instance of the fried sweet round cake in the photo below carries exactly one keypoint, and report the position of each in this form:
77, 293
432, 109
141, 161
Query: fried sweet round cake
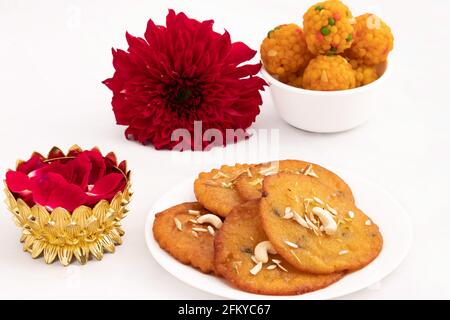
179, 232
249, 183
241, 242
215, 189
315, 230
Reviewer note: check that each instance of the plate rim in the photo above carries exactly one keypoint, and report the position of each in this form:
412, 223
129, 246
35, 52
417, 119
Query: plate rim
153, 245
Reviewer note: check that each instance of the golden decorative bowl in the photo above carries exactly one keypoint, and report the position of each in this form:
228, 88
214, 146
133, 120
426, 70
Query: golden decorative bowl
84, 232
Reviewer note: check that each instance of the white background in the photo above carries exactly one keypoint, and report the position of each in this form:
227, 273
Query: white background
54, 55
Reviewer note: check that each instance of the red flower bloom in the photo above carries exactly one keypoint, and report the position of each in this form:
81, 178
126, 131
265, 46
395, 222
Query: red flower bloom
181, 73
85, 179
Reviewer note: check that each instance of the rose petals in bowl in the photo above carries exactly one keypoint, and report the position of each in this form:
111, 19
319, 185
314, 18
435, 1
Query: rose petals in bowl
69, 205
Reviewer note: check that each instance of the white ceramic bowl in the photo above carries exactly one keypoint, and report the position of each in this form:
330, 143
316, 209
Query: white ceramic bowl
326, 111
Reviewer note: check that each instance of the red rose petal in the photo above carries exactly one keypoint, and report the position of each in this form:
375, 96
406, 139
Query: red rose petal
64, 182
108, 184
52, 190
98, 166
75, 171
80, 169
34, 163
55, 167
18, 181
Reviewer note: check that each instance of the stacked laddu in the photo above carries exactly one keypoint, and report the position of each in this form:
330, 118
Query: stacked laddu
333, 51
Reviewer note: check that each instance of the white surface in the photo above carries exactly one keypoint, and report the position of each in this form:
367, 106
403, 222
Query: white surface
393, 221
54, 55
326, 111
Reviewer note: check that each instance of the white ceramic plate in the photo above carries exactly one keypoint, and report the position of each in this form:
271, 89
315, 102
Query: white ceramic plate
393, 221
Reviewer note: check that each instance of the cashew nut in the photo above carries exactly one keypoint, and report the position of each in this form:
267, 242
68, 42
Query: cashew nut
288, 214
262, 249
329, 225
211, 219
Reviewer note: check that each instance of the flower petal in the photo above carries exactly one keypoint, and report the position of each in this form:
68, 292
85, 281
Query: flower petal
181, 73
34, 163
18, 181
75, 171
98, 165
110, 183
52, 190
240, 52
80, 169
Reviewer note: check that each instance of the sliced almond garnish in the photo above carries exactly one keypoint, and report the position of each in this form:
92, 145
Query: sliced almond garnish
254, 259
282, 268
193, 221
276, 261
351, 214
310, 224
194, 212
299, 219
306, 203
269, 170
311, 217
220, 174
318, 200
342, 252
310, 172
210, 183
368, 222
256, 269
331, 209
178, 224
296, 257
195, 234
236, 266
249, 173
200, 229
291, 244
271, 267
227, 185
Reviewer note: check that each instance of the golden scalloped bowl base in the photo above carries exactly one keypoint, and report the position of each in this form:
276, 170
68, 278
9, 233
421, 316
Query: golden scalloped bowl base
84, 233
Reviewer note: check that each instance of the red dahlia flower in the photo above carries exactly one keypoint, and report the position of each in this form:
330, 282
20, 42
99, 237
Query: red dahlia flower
81, 178
181, 73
